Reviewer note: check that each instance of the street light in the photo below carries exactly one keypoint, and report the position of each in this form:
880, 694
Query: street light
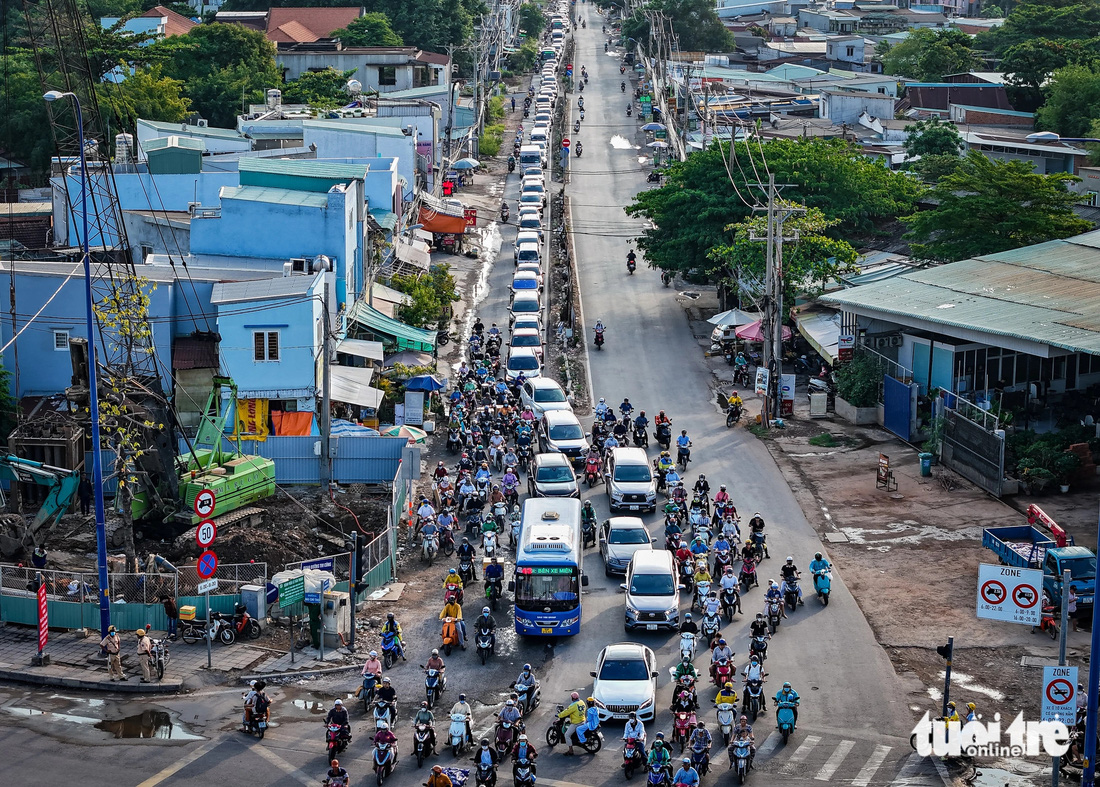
93, 392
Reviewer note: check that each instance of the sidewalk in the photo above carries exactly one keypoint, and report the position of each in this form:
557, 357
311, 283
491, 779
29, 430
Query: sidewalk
75, 662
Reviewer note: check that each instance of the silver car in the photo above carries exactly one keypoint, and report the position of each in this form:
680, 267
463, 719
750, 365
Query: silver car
620, 538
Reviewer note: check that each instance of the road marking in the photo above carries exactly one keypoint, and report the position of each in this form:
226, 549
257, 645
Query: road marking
769, 745
908, 776
283, 765
874, 762
180, 764
800, 754
834, 761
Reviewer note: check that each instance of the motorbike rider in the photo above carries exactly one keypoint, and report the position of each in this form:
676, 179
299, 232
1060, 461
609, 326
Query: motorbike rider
575, 717
759, 627
661, 419
819, 564
486, 754
387, 693
425, 716
523, 752
773, 593
493, 571
755, 671
438, 778
580, 147
467, 551
602, 407
591, 720
391, 626
641, 423
728, 581
510, 713
702, 572
727, 694
743, 732
735, 400
700, 739
702, 487
634, 729
462, 707
660, 755
626, 408
485, 621
527, 678
588, 515
452, 615
436, 662
790, 572
373, 666
338, 714
686, 775
632, 257
689, 626
788, 696
699, 548
683, 443
721, 651
711, 605
336, 776
672, 478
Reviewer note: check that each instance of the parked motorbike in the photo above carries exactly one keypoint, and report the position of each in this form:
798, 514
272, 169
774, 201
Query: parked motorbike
219, 628
160, 656
1047, 621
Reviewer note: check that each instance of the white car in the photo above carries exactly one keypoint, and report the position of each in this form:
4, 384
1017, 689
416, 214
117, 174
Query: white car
522, 359
620, 538
625, 682
543, 394
527, 321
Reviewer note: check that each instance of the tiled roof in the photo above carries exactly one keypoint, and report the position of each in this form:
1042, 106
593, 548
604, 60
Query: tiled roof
175, 24
291, 25
292, 31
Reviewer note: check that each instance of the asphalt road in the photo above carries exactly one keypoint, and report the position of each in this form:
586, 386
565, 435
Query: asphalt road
853, 726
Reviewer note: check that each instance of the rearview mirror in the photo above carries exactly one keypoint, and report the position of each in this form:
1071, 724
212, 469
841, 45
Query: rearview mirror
655, 674
584, 580
622, 586
681, 587
593, 674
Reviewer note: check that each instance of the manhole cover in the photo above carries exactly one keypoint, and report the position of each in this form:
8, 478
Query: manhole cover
836, 538
1033, 661
896, 496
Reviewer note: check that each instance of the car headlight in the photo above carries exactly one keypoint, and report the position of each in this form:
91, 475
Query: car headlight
632, 614
672, 611
570, 622
646, 704
599, 704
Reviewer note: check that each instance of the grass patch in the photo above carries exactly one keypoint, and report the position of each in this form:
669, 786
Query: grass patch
824, 440
760, 431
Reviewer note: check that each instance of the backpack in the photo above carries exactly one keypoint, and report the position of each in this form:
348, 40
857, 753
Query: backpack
262, 703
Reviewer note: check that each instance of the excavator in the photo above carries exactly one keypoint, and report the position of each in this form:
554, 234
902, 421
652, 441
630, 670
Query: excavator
61, 488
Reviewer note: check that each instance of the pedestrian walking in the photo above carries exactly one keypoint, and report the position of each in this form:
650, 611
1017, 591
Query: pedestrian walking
84, 491
145, 656
513, 103
172, 612
1073, 608
112, 644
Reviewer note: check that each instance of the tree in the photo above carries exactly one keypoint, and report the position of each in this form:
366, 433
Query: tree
107, 47
690, 213
992, 12
808, 262
1031, 64
695, 24
933, 137
320, 89
147, 94
371, 29
531, 19
220, 65
432, 25
524, 58
928, 55
24, 132
1072, 101
988, 205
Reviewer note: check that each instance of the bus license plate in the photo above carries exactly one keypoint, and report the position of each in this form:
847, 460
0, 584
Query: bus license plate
651, 627
549, 631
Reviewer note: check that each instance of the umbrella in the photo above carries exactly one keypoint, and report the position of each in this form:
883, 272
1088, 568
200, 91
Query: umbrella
413, 434
657, 144
734, 317
466, 163
423, 382
653, 127
754, 332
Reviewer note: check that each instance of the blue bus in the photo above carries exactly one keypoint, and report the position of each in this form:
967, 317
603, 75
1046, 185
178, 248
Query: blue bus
549, 568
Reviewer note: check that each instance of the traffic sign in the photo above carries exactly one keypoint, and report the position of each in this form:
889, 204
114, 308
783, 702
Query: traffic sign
1059, 695
292, 591
272, 593
204, 503
205, 533
1009, 594
208, 585
565, 142
207, 565
320, 564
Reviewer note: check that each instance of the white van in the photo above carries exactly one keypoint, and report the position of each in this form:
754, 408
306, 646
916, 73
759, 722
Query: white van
528, 252
522, 237
652, 591
530, 155
629, 480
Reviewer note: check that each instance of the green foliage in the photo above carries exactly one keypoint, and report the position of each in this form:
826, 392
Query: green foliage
690, 213
24, 130
859, 380
987, 206
371, 29
318, 88
531, 19
429, 24
7, 405
933, 137
1029, 451
109, 47
220, 65
496, 108
1073, 101
824, 440
807, 263
432, 295
147, 94
928, 55
992, 12
492, 139
931, 169
695, 24
526, 57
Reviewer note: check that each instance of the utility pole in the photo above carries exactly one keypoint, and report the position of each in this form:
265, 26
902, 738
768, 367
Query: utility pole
326, 396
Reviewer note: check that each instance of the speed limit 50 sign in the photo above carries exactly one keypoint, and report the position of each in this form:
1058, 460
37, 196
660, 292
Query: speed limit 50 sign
205, 533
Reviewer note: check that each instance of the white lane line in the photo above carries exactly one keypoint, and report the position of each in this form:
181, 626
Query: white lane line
180, 764
908, 771
834, 761
769, 745
800, 754
284, 766
874, 762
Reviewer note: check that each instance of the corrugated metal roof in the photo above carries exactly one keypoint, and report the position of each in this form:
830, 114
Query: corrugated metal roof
189, 352
358, 125
305, 168
1048, 293
306, 199
265, 289
386, 219
173, 141
194, 131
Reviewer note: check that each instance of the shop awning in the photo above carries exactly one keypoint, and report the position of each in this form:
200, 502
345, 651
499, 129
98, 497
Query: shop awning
821, 328
394, 334
415, 253
386, 219
361, 348
352, 385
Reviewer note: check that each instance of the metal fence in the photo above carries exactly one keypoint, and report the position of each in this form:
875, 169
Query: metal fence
974, 451
377, 555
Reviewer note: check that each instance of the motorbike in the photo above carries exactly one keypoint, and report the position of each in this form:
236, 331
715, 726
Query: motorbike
219, 628
654, 177
710, 628
385, 760
633, 757
522, 775
1047, 621
453, 442
629, 110
726, 715
504, 215
663, 435
622, 87
753, 699
758, 646
513, 532
489, 544
687, 646
485, 775
383, 712
774, 614
823, 582
593, 741
336, 740
784, 717
682, 725
429, 547
702, 589
391, 648
687, 575
657, 776
435, 683
588, 534
592, 471
700, 760
760, 543
741, 375
723, 673
580, 149
733, 415
747, 576
722, 559
494, 589
457, 738
511, 166
641, 437
466, 571
576, 126
370, 683
666, 279
740, 756
506, 735
422, 743
599, 340
160, 657
790, 594
447, 542
500, 512
486, 642
526, 698
683, 455
245, 624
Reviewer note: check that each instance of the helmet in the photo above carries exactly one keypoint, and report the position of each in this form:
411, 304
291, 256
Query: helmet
744, 717
755, 659
686, 761
950, 704
452, 571
526, 667
701, 724
721, 486
484, 742
773, 583
790, 559
686, 659
140, 632
385, 680
787, 685
759, 615
484, 610
665, 453
660, 736
251, 683
728, 685
461, 697
435, 651
633, 715
687, 616
389, 616
523, 736
602, 400
435, 768
423, 703
510, 702
574, 696
817, 556
590, 699
971, 706
702, 477
587, 503
722, 642
374, 654
338, 702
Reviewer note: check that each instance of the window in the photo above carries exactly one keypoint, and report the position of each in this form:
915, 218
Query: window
850, 51
265, 345
146, 250
61, 341
882, 91
387, 75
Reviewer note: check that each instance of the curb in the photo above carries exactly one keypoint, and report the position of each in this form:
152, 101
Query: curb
125, 687
299, 674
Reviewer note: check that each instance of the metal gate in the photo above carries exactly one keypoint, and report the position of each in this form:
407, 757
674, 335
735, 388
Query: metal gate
973, 451
897, 407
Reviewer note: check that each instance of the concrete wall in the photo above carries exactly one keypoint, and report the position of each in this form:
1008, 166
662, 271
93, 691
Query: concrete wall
357, 141
847, 107
366, 67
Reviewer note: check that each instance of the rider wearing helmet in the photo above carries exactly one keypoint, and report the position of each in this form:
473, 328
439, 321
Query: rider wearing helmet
574, 715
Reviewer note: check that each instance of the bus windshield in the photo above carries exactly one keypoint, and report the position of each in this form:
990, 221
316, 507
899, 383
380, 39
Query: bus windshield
557, 592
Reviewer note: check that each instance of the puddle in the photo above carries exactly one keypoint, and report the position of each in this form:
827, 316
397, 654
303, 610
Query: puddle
315, 707
996, 777
620, 142
91, 703
147, 724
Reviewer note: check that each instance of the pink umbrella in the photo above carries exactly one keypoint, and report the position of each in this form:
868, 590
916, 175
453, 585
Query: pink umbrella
754, 332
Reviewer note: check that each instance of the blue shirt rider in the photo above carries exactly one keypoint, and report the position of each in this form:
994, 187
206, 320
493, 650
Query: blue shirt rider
686, 774
699, 546
591, 720
641, 422
683, 440
819, 564
721, 544
773, 593
494, 570
787, 697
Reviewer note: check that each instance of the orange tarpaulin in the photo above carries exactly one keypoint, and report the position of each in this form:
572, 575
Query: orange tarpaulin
291, 424
435, 221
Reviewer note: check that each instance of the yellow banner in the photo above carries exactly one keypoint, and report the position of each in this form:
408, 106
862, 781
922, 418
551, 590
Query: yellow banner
252, 419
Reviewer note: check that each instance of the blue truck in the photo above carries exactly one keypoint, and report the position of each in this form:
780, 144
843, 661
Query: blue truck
1024, 546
